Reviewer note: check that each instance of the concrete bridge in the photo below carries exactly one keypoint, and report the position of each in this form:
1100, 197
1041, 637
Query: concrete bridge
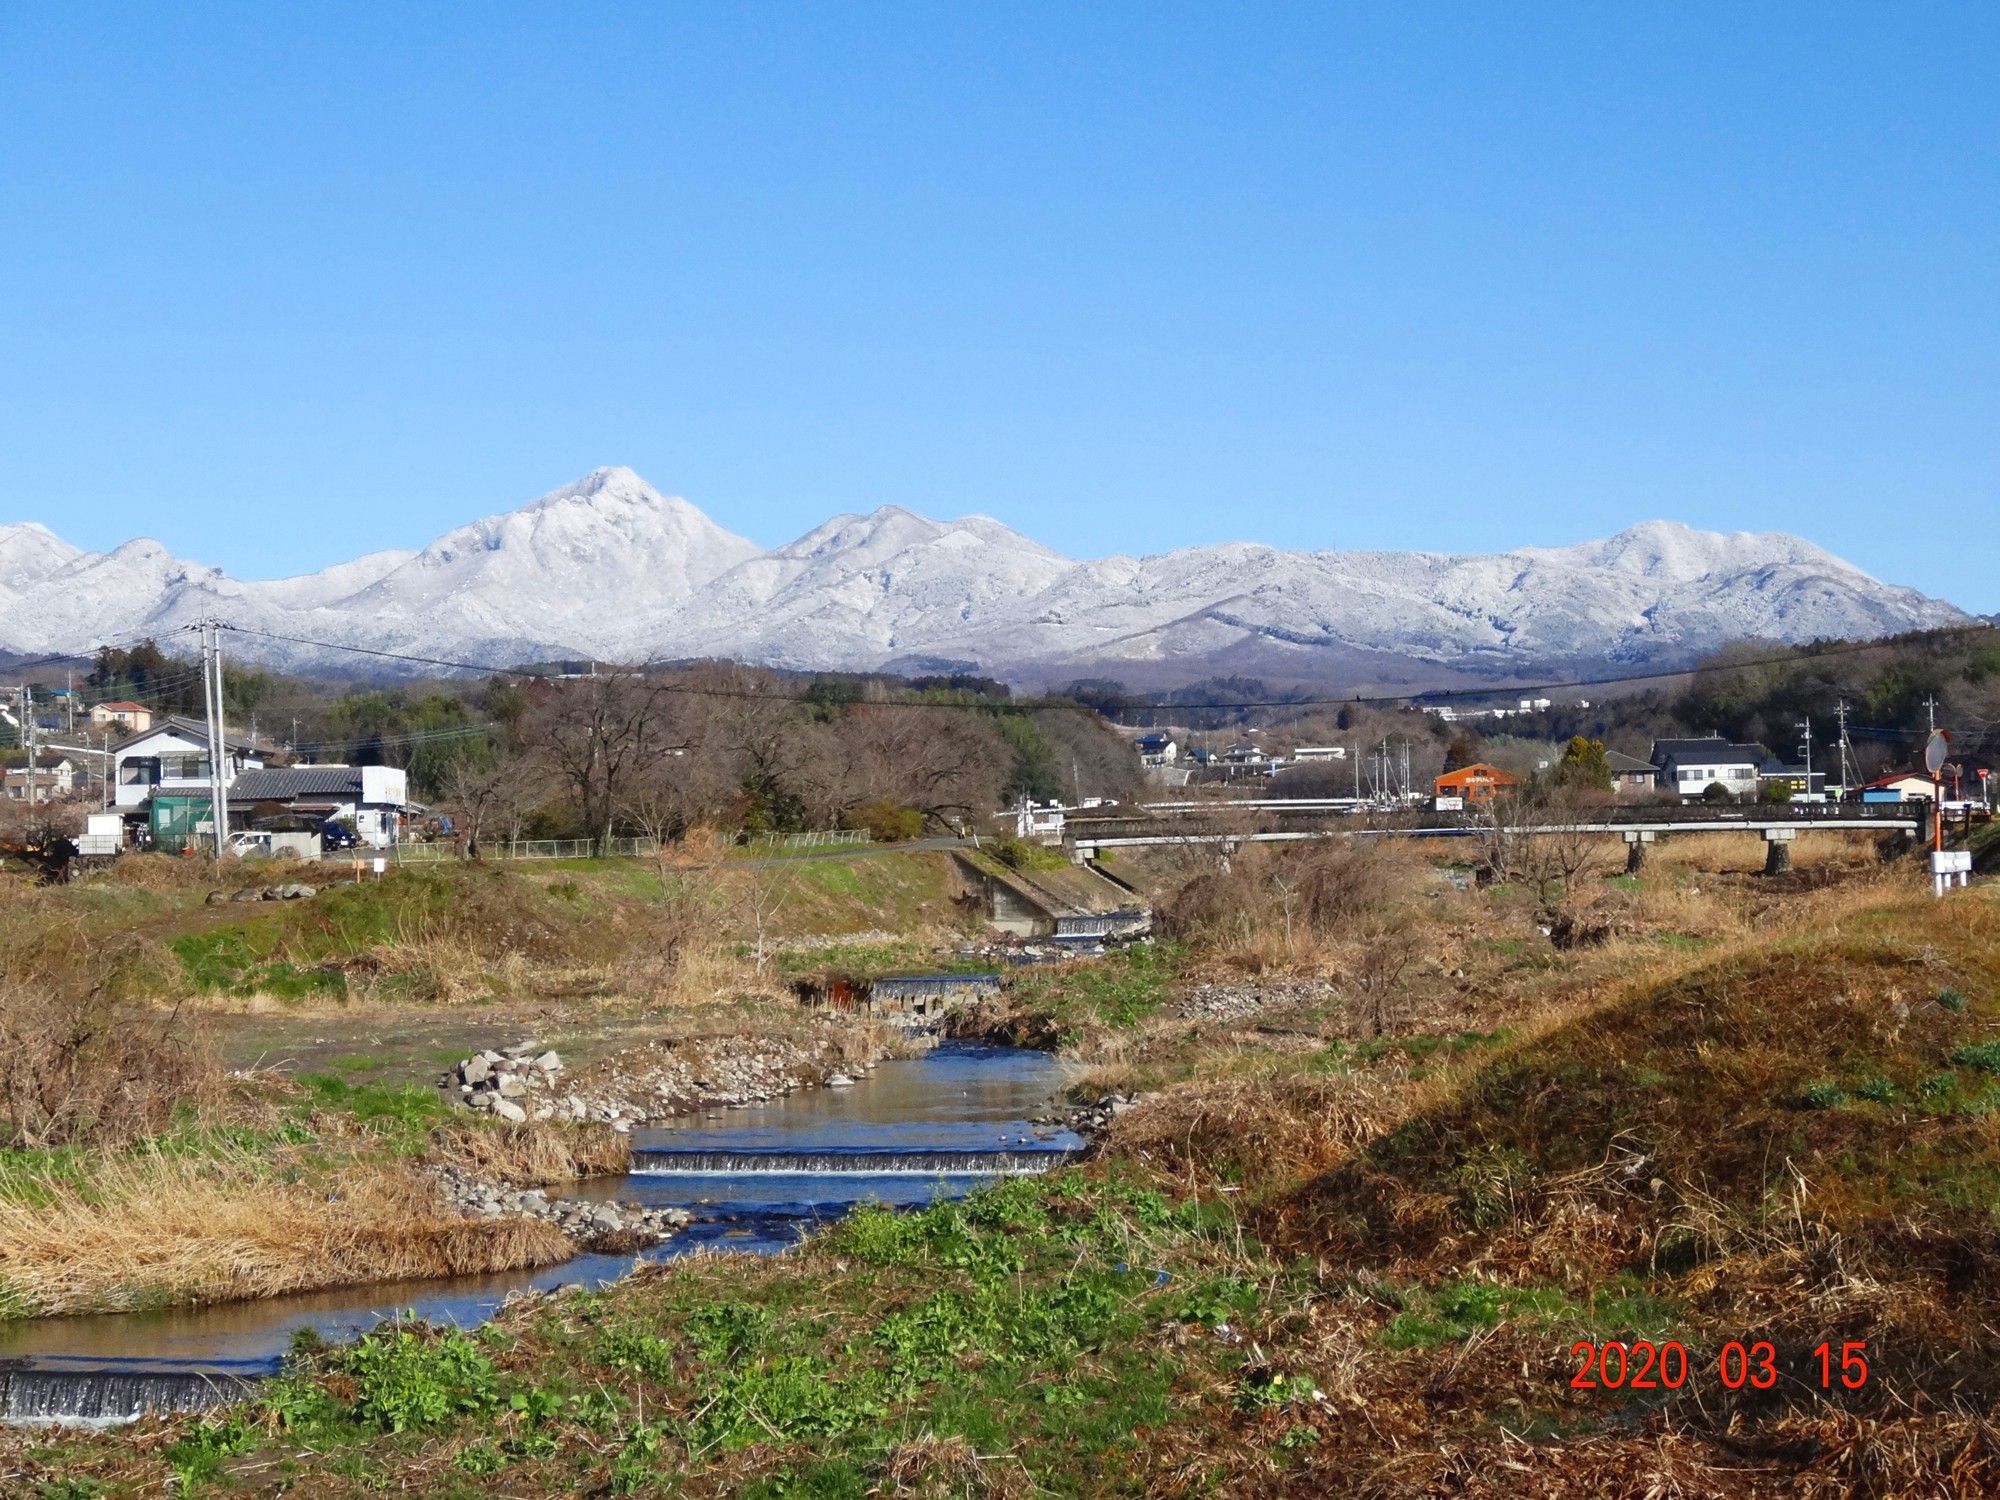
1778, 824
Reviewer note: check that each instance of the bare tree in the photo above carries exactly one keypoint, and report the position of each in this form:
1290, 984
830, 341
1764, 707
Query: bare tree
601, 734
1543, 840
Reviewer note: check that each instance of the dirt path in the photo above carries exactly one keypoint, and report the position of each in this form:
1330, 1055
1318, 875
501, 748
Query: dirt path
395, 1045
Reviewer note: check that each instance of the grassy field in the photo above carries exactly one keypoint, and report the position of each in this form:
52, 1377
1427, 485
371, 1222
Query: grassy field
210, 1099
1747, 1120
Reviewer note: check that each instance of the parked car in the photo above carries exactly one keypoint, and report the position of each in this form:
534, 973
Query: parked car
334, 834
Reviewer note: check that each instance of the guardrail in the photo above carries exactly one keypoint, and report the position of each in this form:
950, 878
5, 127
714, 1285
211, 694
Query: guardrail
1610, 819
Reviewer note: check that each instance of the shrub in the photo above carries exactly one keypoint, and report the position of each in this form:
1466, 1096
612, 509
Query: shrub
1951, 1000
886, 822
88, 1071
1017, 855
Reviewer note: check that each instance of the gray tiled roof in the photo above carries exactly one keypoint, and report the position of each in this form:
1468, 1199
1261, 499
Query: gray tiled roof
282, 785
1712, 749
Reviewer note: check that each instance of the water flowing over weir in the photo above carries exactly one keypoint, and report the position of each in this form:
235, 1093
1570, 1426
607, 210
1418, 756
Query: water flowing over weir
656, 1160
75, 1393
756, 1179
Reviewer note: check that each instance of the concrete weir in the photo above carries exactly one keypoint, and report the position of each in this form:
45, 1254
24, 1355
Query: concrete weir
907, 998
106, 1393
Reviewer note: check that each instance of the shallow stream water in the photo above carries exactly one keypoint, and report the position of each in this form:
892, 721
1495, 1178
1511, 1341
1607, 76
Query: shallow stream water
756, 1179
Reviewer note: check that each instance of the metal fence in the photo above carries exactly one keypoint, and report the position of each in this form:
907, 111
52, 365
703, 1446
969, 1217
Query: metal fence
440, 853
443, 852
810, 840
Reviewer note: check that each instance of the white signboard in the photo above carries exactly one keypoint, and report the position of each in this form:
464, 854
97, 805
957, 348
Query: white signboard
1951, 862
1451, 804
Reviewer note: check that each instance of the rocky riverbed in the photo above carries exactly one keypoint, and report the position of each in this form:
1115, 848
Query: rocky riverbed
595, 1225
662, 1079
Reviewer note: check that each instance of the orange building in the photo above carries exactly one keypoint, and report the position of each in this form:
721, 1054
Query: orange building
1477, 782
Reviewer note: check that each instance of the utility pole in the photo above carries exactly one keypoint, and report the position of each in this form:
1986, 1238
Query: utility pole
1805, 727
218, 734
1930, 713
1846, 748
28, 736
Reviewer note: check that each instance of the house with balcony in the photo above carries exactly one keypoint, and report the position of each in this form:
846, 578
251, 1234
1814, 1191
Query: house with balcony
50, 779
171, 759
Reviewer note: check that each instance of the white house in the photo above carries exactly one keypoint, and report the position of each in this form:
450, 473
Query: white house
1158, 750
374, 799
1688, 768
1305, 754
172, 757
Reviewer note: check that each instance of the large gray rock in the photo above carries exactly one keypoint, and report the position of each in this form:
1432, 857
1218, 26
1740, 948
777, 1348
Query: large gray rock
475, 1070
511, 1087
508, 1110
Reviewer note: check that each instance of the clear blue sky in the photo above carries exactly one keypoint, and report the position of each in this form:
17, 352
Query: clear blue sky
283, 283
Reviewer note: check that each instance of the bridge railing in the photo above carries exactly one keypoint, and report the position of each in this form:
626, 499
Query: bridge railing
1610, 817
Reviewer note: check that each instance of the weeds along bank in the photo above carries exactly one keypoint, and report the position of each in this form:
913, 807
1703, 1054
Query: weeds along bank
1319, 1258
217, 1099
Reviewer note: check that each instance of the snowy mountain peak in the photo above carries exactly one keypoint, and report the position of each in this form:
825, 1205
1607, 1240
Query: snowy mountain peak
1668, 549
610, 567
29, 550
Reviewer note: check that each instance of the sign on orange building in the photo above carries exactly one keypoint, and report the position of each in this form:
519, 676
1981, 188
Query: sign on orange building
1477, 782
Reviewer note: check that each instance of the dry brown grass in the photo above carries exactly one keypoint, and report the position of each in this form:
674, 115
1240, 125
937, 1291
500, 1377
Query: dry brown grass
82, 1069
530, 1155
149, 1228
1265, 1128
1312, 909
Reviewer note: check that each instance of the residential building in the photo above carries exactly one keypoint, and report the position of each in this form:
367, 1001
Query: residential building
172, 758
52, 776
1688, 768
373, 799
133, 718
1158, 750
1793, 781
1898, 786
1631, 776
1475, 783
1306, 754
1247, 760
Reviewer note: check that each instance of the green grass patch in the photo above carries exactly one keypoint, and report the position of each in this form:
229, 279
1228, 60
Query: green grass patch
1118, 991
404, 1112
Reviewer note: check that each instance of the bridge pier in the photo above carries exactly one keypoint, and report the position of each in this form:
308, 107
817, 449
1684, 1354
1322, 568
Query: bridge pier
1778, 850
1636, 840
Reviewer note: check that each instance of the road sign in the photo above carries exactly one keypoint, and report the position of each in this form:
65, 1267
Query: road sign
1935, 750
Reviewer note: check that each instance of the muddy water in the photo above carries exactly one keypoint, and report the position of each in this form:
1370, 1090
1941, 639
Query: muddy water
755, 1179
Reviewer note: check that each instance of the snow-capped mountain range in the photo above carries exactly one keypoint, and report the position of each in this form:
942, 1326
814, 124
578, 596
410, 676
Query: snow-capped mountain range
610, 568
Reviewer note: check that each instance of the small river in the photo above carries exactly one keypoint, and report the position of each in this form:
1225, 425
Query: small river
756, 1180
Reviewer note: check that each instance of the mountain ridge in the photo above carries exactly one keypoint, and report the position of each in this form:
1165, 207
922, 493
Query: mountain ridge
611, 568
